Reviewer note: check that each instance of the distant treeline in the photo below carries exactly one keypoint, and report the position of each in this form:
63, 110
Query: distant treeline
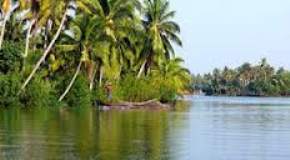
246, 80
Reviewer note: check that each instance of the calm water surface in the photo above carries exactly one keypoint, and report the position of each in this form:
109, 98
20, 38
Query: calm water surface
201, 128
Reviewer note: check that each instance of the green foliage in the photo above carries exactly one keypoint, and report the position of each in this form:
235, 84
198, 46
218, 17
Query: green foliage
283, 80
161, 30
9, 86
10, 57
99, 96
246, 80
40, 93
168, 93
131, 89
135, 90
79, 95
112, 39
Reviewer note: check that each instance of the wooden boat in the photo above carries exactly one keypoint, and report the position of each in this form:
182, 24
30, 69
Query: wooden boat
151, 104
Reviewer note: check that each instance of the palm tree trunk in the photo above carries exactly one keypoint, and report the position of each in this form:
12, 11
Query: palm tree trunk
28, 35
46, 52
3, 30
142, 69
101, 76
71, 82
7, 16
46, 30
93, 78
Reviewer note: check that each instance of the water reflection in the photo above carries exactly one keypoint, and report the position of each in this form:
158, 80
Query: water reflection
82, 133
201, 128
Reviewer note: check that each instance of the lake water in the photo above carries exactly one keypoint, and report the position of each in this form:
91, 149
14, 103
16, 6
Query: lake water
200, 128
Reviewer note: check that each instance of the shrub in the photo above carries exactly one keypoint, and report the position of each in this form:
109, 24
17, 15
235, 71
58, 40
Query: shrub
39, 93
9, 86
135, 90
167, 92
79, 95
10, 57
129, 88
99, 96
166, 89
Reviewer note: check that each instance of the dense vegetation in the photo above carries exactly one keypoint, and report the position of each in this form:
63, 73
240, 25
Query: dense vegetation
246, 80
70, 51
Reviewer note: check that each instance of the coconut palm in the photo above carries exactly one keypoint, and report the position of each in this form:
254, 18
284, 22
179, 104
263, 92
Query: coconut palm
29, 9
81, 35
33, 7
160, 31
116, 22
8, 7
266, 71
173, 72
110, 25
50, 9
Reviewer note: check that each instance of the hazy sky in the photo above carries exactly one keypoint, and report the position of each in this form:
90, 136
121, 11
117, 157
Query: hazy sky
229, 32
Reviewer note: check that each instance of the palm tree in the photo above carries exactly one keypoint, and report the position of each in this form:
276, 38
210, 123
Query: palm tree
216, 80
83, 28
265, 69
245, 74
173, 72
160, 31
7, 9
34, 9
110, 25
53, 7
116, 22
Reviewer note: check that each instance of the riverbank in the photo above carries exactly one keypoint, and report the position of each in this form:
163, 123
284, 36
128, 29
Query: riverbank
127, 92
254, 96
80, 59
246, 80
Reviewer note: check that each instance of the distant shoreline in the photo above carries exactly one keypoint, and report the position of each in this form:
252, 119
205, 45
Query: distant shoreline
254, 96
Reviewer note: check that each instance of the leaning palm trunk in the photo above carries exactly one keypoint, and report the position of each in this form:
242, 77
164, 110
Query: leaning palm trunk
101, 76
142, 69
3, 30
28, 36
45, 53
92, 79
71, 82
6, 17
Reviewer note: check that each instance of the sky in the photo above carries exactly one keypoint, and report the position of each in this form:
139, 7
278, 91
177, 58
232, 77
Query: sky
216, 33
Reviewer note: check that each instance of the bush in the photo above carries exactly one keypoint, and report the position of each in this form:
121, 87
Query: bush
9, 87
135, 90
131, 89
167, 93
39, 93
10, 57
99, 96
79, 95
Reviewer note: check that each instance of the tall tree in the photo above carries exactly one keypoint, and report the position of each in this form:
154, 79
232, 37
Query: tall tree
33, 7
172, 71
7, 9
160, 31
81, 41
116, 22
52, 6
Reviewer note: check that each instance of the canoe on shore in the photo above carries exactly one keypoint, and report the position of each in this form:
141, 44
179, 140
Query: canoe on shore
151, 104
